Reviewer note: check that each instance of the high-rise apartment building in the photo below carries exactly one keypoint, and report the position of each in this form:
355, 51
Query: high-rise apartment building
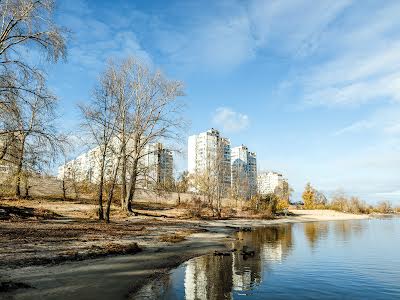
156, 165
209, 153
244, 171
160, 164
268, 182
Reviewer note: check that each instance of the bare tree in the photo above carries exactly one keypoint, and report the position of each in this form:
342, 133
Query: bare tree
26, 105
153, 113
214, 181
25, 24
240, 189
132, 108
37, 142
182, 185
100, 118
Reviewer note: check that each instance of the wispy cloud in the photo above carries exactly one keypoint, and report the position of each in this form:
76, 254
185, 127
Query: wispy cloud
300, 35
95, 41
234, 32
395, 193
393, 129
361, 61
230, 120
355, 127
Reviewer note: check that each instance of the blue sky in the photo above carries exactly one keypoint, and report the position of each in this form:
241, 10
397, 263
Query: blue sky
312, 86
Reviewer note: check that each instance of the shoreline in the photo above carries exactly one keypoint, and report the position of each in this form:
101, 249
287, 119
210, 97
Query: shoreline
122, 276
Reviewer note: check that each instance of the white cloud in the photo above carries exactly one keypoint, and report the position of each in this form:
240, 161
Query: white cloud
355, 127
280, 25
350, 81
361, 62
392, 129
230, 120
232, 32
213, 44
95, 41
395, 193
385, 122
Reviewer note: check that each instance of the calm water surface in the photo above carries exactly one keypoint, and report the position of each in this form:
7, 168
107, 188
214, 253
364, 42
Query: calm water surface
330, 260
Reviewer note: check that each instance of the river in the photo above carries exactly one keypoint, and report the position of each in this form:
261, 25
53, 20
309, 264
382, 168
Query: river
357, 259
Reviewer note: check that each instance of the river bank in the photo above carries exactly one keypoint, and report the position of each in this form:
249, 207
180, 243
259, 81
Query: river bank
122, 275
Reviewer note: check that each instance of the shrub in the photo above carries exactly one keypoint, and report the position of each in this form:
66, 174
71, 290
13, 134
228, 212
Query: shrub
384, 207
196, 207
264, 204
282, 204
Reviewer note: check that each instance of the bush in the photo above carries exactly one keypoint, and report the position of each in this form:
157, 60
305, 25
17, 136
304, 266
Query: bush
384, 207
196, 207
354, 205
282, 204
264, 204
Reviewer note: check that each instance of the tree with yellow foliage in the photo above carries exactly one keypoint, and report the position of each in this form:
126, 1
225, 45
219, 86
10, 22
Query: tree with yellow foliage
309, 197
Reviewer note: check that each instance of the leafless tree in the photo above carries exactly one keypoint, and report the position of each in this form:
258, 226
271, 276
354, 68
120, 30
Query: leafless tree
214, 181
132, 108
26, 105
100, 119
25, 24
240, 189
153, 112
37, 142
182, 185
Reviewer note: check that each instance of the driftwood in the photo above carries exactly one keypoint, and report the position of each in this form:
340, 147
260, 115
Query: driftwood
136, 213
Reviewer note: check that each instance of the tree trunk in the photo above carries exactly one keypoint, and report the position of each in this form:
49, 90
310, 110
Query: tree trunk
26, 186
132, 187
18, 179
100, 191
111, 191
123, 175
3, 151
19, 168
64, 189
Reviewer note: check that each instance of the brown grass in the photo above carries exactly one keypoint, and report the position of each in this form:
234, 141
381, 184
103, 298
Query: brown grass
176, 237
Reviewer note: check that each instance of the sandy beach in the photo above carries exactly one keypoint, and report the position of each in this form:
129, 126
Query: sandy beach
121, 276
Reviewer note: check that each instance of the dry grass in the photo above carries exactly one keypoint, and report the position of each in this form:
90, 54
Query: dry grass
177, 236
172, 238
46, 231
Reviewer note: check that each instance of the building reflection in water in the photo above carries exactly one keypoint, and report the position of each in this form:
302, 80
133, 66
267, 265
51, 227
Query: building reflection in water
221, 277
216, 277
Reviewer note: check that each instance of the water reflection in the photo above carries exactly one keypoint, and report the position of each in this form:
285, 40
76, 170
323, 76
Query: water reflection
209, 277
215, 277
315, 231
225, 277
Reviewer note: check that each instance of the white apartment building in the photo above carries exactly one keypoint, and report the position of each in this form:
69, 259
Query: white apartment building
211, 153
244, 171
267, 182
157, 164
160, 163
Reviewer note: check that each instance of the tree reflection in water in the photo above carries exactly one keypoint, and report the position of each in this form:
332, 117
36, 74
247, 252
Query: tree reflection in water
315, 231
216, 277
332, 244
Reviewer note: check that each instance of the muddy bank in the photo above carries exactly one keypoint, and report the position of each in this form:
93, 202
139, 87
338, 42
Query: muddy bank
112, 277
